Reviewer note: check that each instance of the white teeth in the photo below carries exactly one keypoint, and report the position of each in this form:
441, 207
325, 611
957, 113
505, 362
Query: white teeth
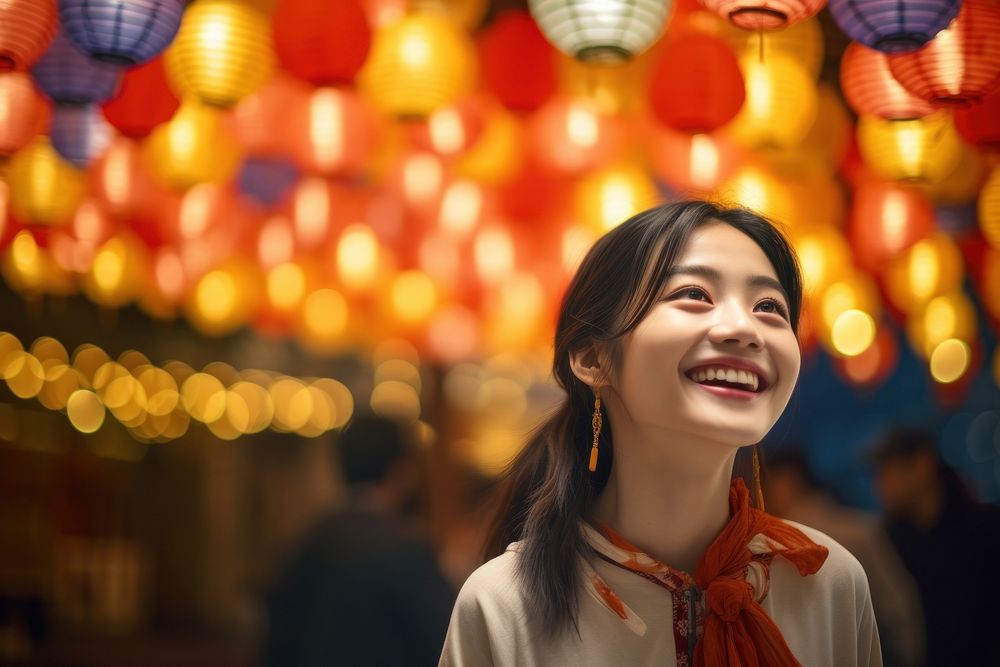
748, 378
743, 378
710, 373
732, 376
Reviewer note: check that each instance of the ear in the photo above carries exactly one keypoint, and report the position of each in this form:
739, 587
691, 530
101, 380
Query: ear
590, 366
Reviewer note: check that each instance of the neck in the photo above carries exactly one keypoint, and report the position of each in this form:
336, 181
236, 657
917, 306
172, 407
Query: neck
668, 494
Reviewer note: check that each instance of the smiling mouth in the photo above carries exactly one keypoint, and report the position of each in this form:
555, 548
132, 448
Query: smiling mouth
744, 382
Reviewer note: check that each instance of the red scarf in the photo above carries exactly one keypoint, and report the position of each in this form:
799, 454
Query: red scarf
737, 631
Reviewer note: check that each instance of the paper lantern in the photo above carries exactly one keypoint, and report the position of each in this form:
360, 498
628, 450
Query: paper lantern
977, 123
803, 41
824, 146
961, 64
26, 29
518, 63
123, 32
80, 134
764, 14
871, 89
963, 182
823, 255
331, 131
928, 268
989, 208
760, 190
265, 118
780, 105
950, 315
322, 42
143, 101
606, 198
495, 157
267, 179
23, 112
196, 146
920, 150
69, 76
886, 219
874, 364
692, 163
122, 183
116, 276
696, 84
222, 52
451, 130
892, 26
572, 136
610, 32
44, 188
419, 63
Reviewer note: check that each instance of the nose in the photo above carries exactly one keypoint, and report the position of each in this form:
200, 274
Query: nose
735, 325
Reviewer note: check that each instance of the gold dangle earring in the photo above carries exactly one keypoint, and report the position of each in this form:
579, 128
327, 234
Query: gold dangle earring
597, 421
758, 493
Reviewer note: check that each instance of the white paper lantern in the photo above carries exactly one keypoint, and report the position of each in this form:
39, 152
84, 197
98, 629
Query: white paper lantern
607, 31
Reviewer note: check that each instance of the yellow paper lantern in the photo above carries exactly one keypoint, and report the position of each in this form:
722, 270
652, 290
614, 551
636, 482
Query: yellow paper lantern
964, 181
781, 102
950, 315
197, 145
222, 52
802, 41
919, 149
989, 208
44, 188
26, 267
823, 255
929, 268
762, 191
851, 291
417, 64
495, 157
825, 144
225, 298
608, 197
118, 272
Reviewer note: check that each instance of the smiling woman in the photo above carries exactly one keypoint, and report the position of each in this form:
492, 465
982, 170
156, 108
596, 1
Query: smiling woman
676, 345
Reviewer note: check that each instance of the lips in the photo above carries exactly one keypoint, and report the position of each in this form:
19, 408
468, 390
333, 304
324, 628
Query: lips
730, 369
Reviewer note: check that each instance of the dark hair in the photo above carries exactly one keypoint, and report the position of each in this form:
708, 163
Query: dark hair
368, 447
548, 488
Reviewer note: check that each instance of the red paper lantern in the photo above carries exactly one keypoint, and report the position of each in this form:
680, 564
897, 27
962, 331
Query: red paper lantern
322, 42
143, 101
871, 89
23, 112
518, 63
573, 136
961, 64
764, 14
696, 84
127, 192
886, 219
692, 163
332, 132
264, 119
978, 123
26, 29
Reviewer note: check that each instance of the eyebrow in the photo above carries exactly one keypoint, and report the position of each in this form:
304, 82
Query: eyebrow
714, 275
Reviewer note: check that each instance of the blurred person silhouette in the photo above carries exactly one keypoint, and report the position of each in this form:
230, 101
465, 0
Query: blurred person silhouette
792, 491
949, 542
363, 587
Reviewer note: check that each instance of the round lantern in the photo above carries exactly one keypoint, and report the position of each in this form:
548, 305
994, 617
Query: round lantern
44, 188
116, 275
874, 364
963, 182
518, 63
871, 89
23, 112
124, 186
608, 197
989, 208
419, 63
762, 191
610, 32
80, 134
977, 123
702, 71
928, 268
571, 136
692, 163
322, 42
142, 102
764, 14
123, 32
222, 52
781, 102
924, 149
823, 255
196, 146
69, 76
961, 64
826, 143
886, 219
804, 41
26, 29
497, 153
331, 131
892, 26
267, 179
265, 118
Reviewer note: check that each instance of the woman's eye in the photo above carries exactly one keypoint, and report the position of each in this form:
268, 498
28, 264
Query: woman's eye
691, 293
772, 306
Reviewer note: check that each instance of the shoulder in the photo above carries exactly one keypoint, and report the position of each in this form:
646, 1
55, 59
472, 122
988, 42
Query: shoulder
841, 574
493, 588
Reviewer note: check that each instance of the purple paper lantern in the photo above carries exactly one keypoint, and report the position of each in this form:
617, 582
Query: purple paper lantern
69, 76
893, 26
122, 32
267, 180
80, 134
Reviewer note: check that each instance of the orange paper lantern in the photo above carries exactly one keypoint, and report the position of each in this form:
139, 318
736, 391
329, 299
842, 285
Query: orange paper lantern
23, 112
764, 14
871, 89
26, 29
886, 219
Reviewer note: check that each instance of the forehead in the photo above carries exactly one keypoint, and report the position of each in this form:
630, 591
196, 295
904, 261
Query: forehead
726, 249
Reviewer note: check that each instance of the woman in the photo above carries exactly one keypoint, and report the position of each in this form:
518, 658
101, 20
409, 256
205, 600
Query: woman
622, 537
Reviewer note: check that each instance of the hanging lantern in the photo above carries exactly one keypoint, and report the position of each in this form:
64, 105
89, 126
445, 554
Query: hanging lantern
821, 193
760, 190
518, 63
961, 64
116, 276
417, 64
826, 143
122, 32
764, 14
886, 219
874, 364
608, 32
604, 199
44, 189
331, 132
803, 41
207, 220
451, 130
823, 255
950, 315
851, 291
265, 118
69, 76
225, 299
572, 136
26, 29
989, 208
494, 158
222, 52
977, 123
23, 112
702, 71
80, 134
121, 182
928, 268
142, 102
891, 26
692, 163
196, 146
322, 42
924, 149
963, 182
780, 104
267, 179
871, 89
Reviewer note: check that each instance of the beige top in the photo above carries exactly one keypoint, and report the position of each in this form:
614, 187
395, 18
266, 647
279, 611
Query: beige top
826, 618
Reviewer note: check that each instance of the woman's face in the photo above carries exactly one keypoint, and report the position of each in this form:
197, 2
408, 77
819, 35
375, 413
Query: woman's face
716, 356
